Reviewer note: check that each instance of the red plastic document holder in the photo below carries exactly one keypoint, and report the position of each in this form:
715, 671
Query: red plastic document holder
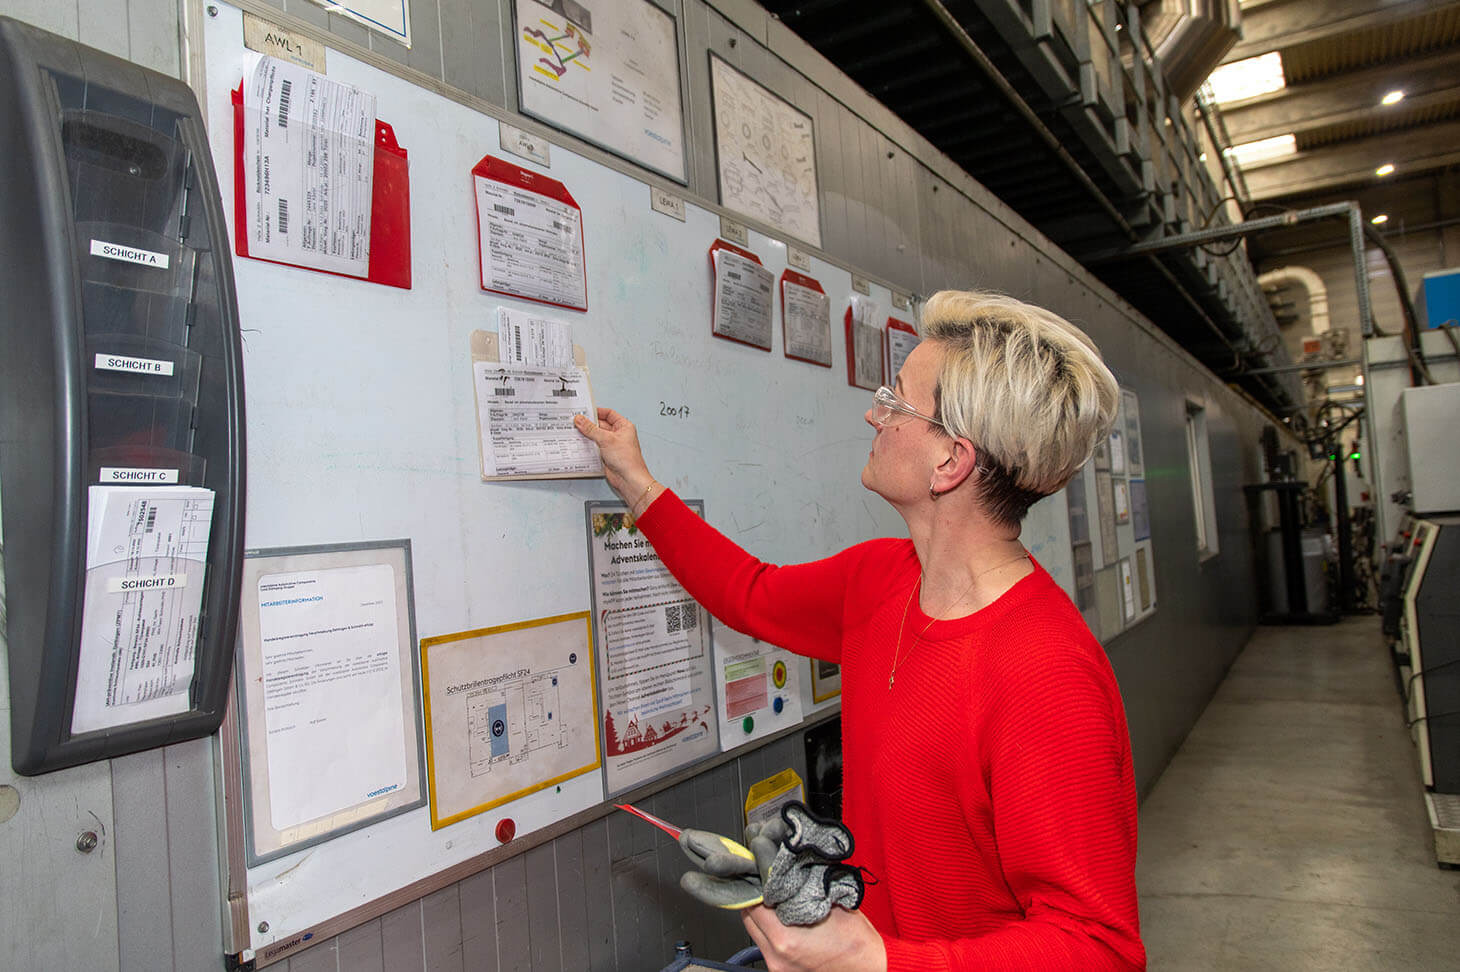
390, 206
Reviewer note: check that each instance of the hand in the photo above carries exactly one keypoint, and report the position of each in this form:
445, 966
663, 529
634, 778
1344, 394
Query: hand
623, 460
844, 941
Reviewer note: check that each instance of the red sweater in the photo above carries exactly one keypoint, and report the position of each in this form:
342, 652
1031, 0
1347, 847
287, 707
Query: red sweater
990, 789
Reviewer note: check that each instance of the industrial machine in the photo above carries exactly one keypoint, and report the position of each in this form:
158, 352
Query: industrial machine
1429, 630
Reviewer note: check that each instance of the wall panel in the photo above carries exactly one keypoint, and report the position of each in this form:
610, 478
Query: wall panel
603, 896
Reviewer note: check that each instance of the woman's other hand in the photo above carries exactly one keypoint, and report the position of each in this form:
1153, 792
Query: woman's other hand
623, 460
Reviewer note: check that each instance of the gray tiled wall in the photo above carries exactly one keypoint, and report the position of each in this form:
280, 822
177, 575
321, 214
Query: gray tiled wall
603, 897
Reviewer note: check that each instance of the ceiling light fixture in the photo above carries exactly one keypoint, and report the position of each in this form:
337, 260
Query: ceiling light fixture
1392, 98
1247, 78
1262, 150
1386, 169
1381, 219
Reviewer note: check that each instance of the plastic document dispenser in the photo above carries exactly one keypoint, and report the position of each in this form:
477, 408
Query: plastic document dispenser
121, 408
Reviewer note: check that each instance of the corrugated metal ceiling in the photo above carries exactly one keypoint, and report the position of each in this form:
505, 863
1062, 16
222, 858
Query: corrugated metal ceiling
1379, 121
1429, 32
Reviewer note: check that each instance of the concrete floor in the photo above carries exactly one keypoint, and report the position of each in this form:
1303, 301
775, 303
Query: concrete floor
1290, 831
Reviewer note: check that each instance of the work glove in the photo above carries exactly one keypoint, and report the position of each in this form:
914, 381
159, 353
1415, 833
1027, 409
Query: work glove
728, 876
795, 867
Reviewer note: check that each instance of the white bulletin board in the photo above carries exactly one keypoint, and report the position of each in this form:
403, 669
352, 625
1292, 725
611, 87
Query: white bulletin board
362, 424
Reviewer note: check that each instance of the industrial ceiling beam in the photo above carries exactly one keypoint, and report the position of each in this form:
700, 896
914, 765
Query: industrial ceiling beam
1353, 163
1278, 24
1426, 82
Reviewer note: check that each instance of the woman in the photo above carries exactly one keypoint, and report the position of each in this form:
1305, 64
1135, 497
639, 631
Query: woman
987, 769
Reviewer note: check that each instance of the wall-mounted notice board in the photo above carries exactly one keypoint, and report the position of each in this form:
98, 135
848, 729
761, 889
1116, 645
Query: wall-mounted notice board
363, 424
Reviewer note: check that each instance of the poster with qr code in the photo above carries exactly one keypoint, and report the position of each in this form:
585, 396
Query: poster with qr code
655, 676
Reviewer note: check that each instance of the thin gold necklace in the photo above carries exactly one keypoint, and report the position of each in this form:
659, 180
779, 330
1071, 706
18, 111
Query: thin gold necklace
897, 654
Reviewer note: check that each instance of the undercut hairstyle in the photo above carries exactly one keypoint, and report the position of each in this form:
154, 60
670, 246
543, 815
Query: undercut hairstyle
1026, 387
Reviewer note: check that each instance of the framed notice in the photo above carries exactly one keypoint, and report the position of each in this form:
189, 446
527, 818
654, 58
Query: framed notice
656, 674
327, 688
766, 151
826, 680
609, 74
510, 711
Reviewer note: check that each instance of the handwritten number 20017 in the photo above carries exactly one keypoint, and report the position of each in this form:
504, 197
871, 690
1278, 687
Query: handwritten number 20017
674, 411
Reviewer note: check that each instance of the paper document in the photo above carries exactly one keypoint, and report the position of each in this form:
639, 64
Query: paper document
309, 152
900, 343
332, 690
510, 711
531, 245
526, 422
146, 557
865, 340
808, 323
536, 342
654, 655
743, 299
758, 687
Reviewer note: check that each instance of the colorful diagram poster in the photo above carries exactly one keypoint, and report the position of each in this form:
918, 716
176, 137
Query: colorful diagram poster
609, 74
509, 711
653, 655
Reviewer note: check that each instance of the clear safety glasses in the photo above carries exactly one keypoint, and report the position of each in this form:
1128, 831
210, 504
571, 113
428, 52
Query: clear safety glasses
886, 404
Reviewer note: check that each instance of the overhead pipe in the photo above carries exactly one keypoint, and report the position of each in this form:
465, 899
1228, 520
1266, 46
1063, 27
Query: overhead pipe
1309, 281
1017, 102
1190, 37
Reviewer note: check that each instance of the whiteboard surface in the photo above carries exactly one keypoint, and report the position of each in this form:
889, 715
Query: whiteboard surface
361, 425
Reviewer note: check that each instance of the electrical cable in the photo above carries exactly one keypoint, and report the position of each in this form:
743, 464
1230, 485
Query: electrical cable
1406, 306
1425, 671
1431, 718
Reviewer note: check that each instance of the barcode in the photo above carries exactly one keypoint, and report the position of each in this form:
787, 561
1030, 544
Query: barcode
284, 89
680, 617
517, 341
561, 226
565, 393
283, 225
151, 520
504, 210
507, 392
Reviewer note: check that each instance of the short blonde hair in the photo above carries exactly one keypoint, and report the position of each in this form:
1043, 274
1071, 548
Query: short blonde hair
1026, 387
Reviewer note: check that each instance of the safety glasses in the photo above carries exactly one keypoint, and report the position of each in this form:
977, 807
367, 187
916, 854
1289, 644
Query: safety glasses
886, 404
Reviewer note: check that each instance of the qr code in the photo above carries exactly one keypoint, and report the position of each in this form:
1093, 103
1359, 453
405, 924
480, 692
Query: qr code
681, 617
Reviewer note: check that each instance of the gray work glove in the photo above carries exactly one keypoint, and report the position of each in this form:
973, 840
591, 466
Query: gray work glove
807, 875
797, 867
726, 877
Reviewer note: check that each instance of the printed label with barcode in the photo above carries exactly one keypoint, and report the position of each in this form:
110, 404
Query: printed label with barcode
565, 393
285, 87
561, 226
283, 224
504, 210
504, 391
151, 520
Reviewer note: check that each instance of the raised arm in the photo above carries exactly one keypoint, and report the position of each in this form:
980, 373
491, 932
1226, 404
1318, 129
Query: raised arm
800, 608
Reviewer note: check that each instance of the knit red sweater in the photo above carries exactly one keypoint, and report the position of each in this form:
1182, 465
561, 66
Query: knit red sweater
989, 790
